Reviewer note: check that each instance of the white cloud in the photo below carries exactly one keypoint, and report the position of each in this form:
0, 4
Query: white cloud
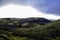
19, 11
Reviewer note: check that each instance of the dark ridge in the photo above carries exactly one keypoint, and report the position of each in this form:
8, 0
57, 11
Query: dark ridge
35, 20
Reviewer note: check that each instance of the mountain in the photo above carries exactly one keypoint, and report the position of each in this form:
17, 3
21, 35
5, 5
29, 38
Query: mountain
9, 23
29, 29
49, 31
40, 21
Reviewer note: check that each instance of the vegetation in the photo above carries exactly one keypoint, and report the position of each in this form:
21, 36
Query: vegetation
29, 29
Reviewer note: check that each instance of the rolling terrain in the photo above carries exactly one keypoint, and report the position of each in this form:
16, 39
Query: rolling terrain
29, 29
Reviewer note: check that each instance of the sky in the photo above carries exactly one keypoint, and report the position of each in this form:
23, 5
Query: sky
46, 8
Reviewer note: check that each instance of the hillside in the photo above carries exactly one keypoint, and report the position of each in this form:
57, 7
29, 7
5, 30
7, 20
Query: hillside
29, 29
21, 23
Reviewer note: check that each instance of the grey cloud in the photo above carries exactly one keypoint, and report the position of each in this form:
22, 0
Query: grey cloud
47, 6
21, 2
4, 2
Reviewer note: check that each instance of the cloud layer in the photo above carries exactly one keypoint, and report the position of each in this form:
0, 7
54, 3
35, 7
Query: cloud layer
18, 11
47, 6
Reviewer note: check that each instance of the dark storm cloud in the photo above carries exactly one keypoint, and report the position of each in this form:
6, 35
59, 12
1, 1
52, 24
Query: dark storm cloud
47, 6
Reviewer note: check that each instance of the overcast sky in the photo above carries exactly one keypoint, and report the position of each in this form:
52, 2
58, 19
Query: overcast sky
46, 6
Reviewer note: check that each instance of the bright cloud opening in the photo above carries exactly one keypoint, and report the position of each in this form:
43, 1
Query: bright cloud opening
19, 11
